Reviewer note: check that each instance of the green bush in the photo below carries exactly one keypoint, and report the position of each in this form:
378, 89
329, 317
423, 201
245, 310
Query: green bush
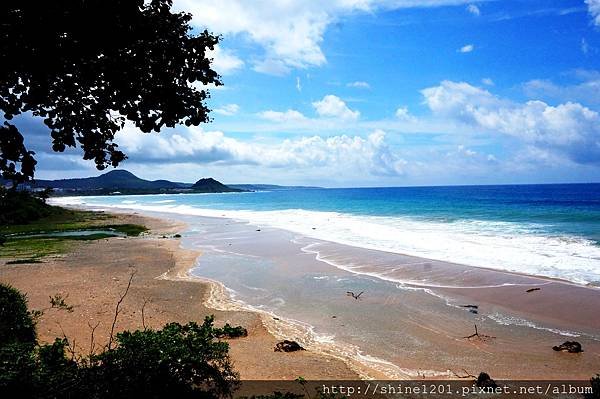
182, 361
20, 207
17, 324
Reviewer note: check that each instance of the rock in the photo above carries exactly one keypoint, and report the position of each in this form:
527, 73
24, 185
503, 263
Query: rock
569, 346
485, 381
471, 306
474, 311
288, 346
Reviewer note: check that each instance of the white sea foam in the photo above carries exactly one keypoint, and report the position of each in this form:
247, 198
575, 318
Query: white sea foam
496, 245
516, 321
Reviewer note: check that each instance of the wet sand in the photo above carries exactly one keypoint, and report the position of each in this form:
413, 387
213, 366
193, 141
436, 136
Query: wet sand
410, 322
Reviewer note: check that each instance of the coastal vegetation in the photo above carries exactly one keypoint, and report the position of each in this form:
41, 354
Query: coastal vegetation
184, 361
30, 229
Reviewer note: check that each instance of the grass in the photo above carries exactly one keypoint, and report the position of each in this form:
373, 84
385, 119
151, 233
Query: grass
31, 249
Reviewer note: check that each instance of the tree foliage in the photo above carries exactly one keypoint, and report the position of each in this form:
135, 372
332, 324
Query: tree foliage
88, 66
20, 207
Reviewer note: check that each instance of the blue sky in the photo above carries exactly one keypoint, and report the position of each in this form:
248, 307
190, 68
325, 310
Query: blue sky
384, 93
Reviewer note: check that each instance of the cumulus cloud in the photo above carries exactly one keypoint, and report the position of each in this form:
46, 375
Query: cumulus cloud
228, 109
334, 107
403, 114
473, 9
224, 61
594, 10
359, 85
466, 48
290, 115
290, 32
341, 153
569, 129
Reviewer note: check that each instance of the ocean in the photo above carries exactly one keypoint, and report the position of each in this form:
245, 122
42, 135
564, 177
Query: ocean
543, 230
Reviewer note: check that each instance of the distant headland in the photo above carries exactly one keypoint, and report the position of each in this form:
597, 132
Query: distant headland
123, 182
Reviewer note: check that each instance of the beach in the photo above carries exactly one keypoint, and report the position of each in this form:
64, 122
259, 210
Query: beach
411, 322
93, 275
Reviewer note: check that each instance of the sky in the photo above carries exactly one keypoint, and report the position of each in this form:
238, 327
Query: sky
352, 93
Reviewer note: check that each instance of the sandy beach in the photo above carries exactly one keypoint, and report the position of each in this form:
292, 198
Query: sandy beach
93, 275
410, 330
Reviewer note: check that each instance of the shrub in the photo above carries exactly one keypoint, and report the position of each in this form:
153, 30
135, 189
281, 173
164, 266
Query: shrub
20, 207
17, 324
182, 361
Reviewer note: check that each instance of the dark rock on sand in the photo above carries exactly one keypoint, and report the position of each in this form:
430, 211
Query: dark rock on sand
569, 346
288, 346
485, 381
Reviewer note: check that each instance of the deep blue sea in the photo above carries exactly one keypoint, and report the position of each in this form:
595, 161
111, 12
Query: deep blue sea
547, 230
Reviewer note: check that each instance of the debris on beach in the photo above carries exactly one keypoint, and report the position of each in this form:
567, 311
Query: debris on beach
481, 337
485, 381
288, 346
257, 229
533, 289
353, 295
569, 346
472, 308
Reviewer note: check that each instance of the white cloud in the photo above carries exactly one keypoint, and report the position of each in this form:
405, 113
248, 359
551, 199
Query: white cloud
224, 61
594, 10
466, 48
290, 32
585, 47
272, 66
288, 116
227, 110
587, 91
359, 85
339, 154
569, 129
403, 114
487, 82
473, 9
334, 107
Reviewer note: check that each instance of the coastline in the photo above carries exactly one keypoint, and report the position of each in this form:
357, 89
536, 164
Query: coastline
522, 349
354, 363
93, 275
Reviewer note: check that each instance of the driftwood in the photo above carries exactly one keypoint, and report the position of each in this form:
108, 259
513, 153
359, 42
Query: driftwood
481, 337
533, 289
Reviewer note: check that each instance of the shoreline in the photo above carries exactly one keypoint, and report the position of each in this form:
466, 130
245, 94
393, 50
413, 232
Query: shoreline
219, 298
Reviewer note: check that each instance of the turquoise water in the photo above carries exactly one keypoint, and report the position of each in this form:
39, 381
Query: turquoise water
547, 230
